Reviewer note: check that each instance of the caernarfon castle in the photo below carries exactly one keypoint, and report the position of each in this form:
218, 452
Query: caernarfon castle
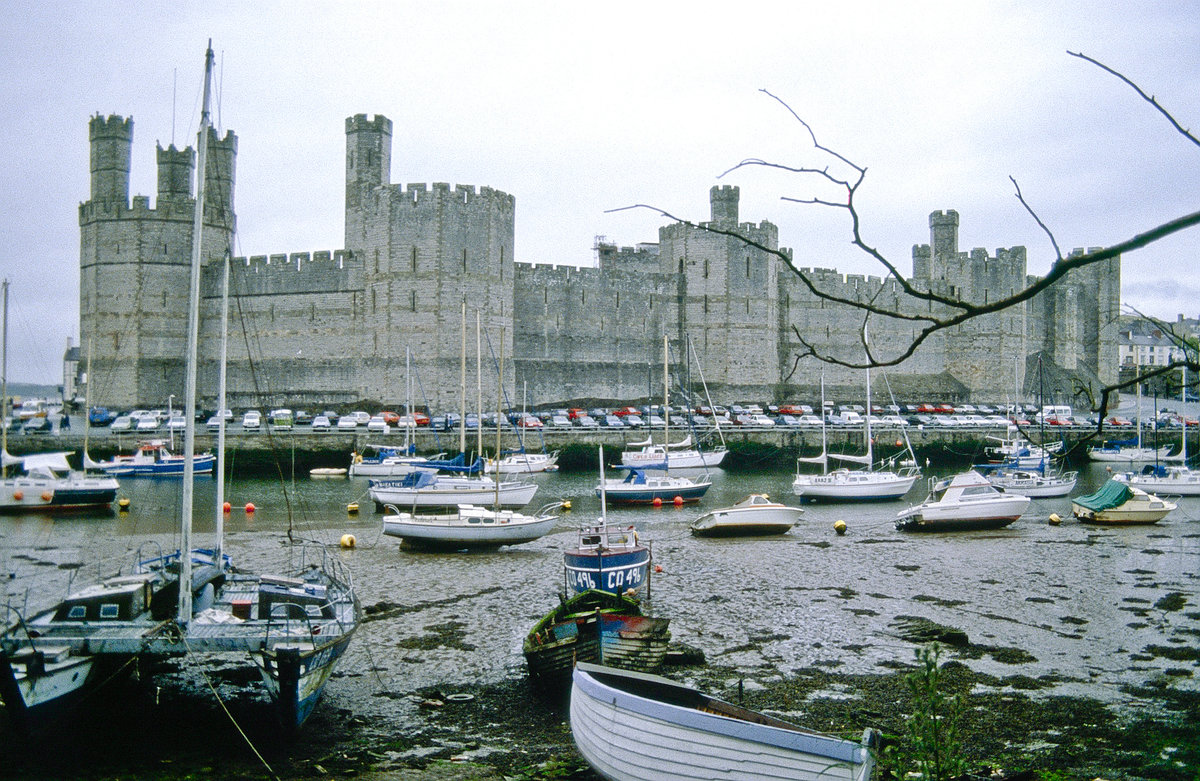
330, 327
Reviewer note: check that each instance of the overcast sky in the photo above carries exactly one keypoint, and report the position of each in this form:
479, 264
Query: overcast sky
580, 108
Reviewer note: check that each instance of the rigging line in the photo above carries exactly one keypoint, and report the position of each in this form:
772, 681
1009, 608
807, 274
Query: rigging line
208, 682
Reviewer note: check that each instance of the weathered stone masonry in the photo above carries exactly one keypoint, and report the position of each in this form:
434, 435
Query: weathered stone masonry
330, 327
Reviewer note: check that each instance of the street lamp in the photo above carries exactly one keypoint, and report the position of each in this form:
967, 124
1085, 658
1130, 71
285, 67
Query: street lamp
170, 406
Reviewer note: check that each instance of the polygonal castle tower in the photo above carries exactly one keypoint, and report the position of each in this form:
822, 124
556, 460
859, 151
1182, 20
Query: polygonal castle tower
135, 259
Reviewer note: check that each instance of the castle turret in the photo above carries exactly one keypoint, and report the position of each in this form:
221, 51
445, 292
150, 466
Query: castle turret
218, 193
112, 139
724, 205
175, 168
368, 165
943, 233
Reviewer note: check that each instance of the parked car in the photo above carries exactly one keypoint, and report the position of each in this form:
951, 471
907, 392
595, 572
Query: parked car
360, 417
390, 418
560, 421
621, 412
633, 421
586, 421
378, 425
759, 419
347, 423
122, 423
214, 423
280, 418
612, 421
252, 420
37, 425
1117, 420
529, 421
147, 423
101, 416
302, 417
176, 422
320, 423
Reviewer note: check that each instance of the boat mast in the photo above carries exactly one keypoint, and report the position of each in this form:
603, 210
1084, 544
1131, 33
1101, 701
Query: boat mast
193, 339
4, 388
708, 397
666, 403
462, 388
496, 476
219, 532
479, 391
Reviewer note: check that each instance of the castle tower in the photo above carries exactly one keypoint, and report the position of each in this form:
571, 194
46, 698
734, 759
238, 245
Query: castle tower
218, 183
943, 234
175, 168
111, 141
724, 205
368, 165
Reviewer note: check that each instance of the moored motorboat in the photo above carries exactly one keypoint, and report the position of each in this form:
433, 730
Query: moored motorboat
1033, 483
754, 515
1167, 479
522, 462
153, 458
47, 482
1119, 503
964, 502
632, 726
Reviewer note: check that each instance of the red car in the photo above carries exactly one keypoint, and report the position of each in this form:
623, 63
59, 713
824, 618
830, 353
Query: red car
623, 411
575, 413
1115, 420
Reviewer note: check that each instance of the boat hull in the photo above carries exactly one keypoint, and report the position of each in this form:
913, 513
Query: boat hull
853, 486
664, 490
637, 727
615, 571
746, 521
296, 674
466, 529
648, 458
23, 494
511, 496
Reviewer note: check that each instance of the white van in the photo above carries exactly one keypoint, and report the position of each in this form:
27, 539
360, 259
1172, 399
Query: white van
1060, 413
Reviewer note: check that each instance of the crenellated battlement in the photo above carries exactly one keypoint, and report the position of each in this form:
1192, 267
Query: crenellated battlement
112, 126
285, 263
441, 193
362, 123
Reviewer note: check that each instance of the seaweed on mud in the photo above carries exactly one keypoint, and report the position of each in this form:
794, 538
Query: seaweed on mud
1171, 602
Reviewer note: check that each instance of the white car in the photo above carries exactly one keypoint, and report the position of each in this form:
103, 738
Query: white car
147, 423
252, 420
177, 423
320, 423
122, 423
214, 423
759, 419
348, 423
378, 424
361, 417
808, 420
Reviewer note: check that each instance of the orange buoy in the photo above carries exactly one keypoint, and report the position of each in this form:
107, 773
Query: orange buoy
899, 443
250, 508
658, 568
657, 502
227, 507
679, 501
19, 495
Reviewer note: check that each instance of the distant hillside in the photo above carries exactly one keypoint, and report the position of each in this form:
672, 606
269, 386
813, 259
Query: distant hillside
28, 390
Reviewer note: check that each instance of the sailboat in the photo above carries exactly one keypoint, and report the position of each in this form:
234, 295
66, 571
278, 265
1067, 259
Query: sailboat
46, 480
1174, 478
294, 627
467, 526
676, 455
857, 485
1129, 451
640, 488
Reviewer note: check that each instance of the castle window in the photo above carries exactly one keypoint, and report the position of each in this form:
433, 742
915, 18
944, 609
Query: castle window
164, 248
747, 266
680, 265
372, 300
618, 299
414, 301
414, 260
164, 303
706, 268
747, 306
464, 259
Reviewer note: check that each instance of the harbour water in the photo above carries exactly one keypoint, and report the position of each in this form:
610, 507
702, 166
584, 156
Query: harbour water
1093, 609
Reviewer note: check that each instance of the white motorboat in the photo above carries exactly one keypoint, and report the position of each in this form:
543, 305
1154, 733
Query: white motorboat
1119, 503
469, 527
632, 726
47, 482
1170, 479
754, 515
677, 455
640, 488
1032, 483
966, 501
522, 463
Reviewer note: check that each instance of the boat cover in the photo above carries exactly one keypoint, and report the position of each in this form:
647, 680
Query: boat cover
1111, 494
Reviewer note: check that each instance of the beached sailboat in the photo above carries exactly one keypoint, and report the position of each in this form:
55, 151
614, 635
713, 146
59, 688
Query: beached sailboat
294, 627
667, 454
632, 726
854, 485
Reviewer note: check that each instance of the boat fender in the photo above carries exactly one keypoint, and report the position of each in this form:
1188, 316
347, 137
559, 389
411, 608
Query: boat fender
657, 502
678, 502
352, 508
47, 496
250, 508
19, 495
227, 507
357, 459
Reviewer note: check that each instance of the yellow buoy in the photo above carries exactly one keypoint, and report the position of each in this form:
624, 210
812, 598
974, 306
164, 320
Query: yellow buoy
566, 505
1055, 519
123, 503
348, 541
352, 508
839, 526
